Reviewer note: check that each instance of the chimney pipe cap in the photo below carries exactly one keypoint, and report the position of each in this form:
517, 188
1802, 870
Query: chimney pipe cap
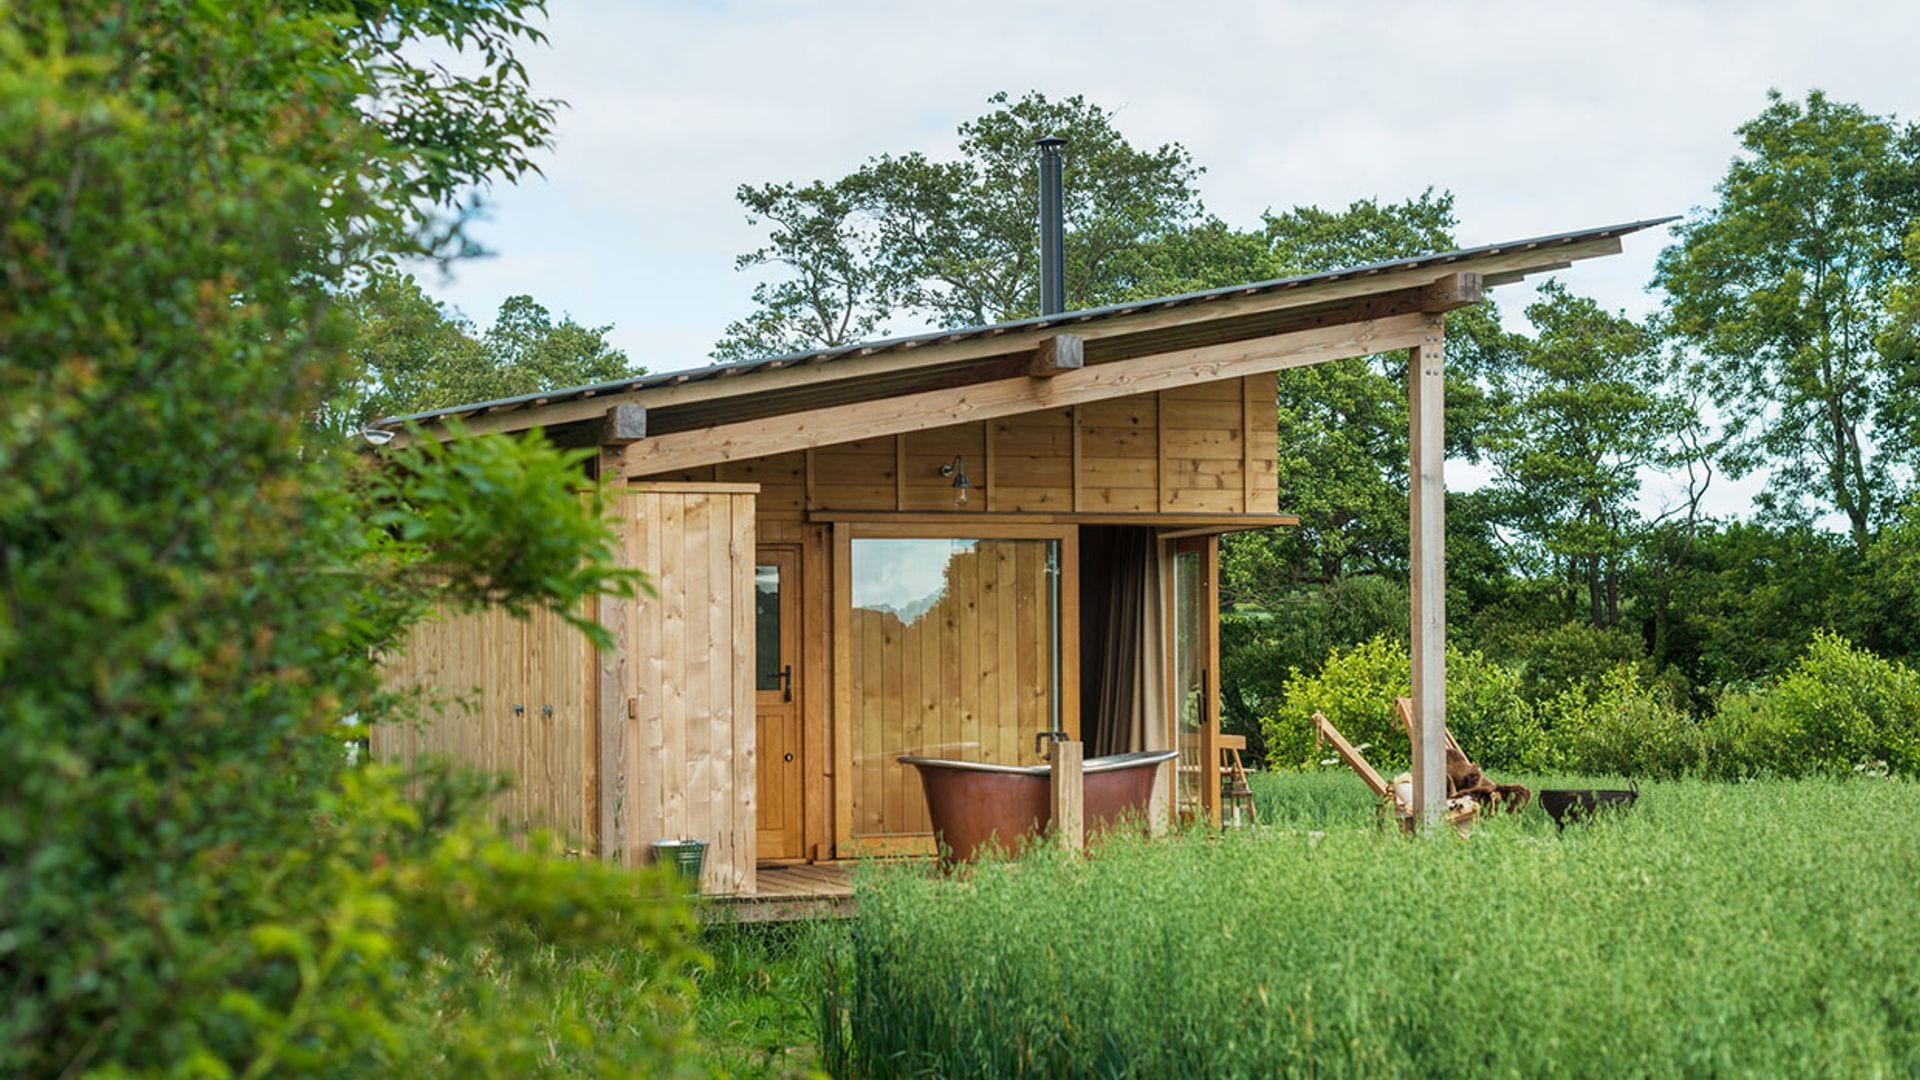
1049, 142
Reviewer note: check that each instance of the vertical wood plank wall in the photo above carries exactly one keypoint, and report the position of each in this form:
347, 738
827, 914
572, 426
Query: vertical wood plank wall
1209, 448
514, 699
682, 734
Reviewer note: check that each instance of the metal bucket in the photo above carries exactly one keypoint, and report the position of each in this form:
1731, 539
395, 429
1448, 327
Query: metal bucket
686, 856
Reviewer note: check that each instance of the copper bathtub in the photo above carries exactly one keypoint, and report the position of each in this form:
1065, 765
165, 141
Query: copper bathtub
972, 802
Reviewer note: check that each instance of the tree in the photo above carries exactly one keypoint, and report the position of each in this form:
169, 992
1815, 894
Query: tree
1783, 291
413, 355
955, 243
193, 578
1585, 417
1343, 425
837, 289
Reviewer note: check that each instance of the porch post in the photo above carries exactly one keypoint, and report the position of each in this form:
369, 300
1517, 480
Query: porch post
1427, 532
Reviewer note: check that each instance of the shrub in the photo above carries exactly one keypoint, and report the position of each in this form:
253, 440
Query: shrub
1838, 708
1574, 655
1738, 739
1260, 645
193, 575
1623, 726
1356, 687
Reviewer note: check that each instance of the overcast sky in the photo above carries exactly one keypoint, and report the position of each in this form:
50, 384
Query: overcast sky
1539, 117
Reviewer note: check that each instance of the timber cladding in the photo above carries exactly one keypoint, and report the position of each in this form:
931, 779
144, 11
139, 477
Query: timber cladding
1204, 448
503, 695
613, 749
676, 696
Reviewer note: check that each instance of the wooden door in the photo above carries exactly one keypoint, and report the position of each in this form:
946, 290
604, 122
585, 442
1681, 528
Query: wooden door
777, 696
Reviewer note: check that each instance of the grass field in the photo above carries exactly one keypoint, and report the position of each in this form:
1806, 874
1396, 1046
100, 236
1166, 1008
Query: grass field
1754, 929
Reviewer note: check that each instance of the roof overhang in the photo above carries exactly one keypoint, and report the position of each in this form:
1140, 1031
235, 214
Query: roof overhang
751, 409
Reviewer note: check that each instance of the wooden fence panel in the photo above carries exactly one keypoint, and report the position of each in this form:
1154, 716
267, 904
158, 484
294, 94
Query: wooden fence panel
502, 695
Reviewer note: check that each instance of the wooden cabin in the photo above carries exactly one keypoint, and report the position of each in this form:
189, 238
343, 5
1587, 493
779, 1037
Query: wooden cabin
938, 545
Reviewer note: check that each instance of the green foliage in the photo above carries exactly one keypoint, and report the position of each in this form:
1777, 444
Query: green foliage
1259, 646
1584, 418
1784, 288
839, 289
420, 943
413, 356
193, 578
1308, 239
955, 243
1573, 656
1839, 709
1343, 425
1695, 934
495, 522
759, 1008
1624, 726
1356, 688
1892, 600
1742, 600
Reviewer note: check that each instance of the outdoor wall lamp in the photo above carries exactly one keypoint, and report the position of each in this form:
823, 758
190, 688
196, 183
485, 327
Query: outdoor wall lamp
957, 469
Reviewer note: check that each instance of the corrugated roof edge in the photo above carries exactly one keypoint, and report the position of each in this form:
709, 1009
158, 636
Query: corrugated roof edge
867, 348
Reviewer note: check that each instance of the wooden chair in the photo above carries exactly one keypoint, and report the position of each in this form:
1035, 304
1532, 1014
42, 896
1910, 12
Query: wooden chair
1354, 759
1404, 705
1235, 792
1509, 797
1461, 818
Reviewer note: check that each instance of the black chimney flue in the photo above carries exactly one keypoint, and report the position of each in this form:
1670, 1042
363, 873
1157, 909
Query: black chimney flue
1053, 254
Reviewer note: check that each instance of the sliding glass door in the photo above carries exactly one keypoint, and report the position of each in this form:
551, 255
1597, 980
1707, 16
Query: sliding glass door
953, 649
1196, 690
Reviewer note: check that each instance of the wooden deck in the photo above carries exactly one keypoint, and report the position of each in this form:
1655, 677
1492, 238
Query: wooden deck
789, 893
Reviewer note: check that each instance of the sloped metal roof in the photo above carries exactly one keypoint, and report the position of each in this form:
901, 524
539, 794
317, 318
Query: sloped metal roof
1066, 319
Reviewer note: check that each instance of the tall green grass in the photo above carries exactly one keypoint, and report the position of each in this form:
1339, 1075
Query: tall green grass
1763, 928
754, 1010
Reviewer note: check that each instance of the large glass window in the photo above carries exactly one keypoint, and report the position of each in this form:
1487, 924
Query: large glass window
955, 652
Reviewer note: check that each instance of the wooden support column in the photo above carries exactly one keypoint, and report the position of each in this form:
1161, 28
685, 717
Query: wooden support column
1067, 794
1426, 375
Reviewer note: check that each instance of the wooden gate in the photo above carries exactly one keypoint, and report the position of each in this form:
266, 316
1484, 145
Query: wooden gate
677, 745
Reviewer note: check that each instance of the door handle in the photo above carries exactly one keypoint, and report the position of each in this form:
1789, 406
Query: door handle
786, 683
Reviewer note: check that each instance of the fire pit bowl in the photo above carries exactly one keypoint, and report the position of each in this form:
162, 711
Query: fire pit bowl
1582, 804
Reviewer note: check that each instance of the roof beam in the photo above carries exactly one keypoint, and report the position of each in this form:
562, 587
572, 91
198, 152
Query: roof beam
619, 426
623, 424
1062, 352
1005, 397
1452, 291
